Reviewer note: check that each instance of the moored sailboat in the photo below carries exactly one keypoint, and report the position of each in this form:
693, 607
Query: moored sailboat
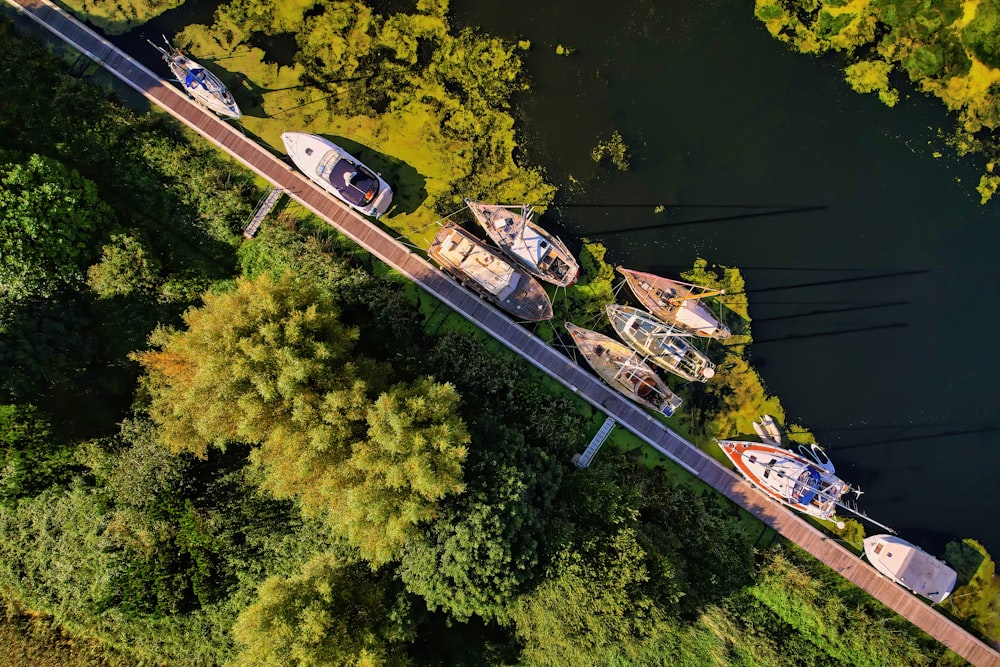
662, 344
910, 566
488, 273
203, 86
789, 478
676, 302
542, 254
624, 370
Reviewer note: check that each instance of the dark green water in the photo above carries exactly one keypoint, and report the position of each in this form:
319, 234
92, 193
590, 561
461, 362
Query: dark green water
869, 263
870, 285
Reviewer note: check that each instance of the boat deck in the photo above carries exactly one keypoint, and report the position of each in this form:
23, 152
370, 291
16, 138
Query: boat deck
521, 341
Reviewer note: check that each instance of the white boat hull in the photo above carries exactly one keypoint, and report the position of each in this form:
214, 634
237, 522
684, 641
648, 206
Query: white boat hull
338, 172
910, 567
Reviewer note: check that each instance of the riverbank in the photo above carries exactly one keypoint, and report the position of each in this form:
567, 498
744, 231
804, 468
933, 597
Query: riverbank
77, 499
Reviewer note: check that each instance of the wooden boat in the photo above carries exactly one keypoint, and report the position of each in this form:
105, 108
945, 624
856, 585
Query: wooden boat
676, 302
200, 84
338, 172
910, 567
489, 274
664, 345
624, 370
789, 478
542, 254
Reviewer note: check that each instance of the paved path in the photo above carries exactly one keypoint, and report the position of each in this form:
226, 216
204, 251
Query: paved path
386, 248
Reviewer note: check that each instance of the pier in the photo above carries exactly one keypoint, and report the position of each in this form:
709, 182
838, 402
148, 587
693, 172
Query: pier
383, 246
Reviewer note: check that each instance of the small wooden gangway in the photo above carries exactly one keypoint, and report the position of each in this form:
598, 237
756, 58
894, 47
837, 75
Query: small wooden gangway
537, 352
264, 207
583, 460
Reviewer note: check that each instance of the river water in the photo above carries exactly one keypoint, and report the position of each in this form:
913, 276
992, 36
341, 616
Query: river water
869, 262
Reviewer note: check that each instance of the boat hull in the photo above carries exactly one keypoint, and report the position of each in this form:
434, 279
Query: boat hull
621, 368
910, 567
540, 253
489, 274
202, 85
659, 344
671, 302
339, 173
792, 480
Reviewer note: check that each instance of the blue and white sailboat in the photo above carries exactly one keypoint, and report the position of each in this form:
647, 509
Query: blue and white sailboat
200, 84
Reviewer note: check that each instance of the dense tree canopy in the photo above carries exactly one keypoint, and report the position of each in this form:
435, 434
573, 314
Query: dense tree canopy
50, 217
270, 364
331, 614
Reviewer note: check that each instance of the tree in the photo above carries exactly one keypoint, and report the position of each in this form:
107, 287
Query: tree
30, 460
332, 613
126, 267
484, 545
268, 364
260, 357
374, 491
50, 217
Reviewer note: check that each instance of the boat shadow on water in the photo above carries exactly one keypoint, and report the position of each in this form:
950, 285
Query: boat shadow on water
409, 186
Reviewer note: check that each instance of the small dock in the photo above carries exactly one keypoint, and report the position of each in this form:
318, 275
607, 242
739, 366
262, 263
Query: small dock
583, 460
264, 206
382, 245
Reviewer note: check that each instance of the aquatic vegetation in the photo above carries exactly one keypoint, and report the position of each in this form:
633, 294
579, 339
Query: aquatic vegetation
120, 16
949, 49
614, 149
423, 104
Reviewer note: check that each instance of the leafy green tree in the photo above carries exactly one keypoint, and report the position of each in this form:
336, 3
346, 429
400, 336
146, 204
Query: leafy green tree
30, 459
127, 267
486, 544
251, 360
411, 460
268, 364
50, 217
332, 613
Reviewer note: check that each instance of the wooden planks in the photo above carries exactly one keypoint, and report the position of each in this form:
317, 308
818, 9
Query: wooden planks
521, 341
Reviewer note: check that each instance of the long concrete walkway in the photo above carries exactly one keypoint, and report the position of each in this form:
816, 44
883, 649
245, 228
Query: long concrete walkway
397, 255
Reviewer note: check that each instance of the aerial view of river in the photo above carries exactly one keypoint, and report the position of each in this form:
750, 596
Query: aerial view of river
868, 260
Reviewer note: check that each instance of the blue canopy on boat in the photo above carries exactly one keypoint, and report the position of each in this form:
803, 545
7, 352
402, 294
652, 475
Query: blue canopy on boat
194, 78
806, 486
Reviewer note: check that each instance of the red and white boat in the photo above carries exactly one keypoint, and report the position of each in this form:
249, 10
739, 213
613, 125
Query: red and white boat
793, 480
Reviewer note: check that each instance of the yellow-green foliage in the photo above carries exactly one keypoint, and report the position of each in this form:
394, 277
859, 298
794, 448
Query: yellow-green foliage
614, 149
977, 599
118, 16
988, 185
872, 76
950, 49
425, 106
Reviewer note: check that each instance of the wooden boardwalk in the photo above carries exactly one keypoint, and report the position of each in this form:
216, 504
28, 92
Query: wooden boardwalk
401, 258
